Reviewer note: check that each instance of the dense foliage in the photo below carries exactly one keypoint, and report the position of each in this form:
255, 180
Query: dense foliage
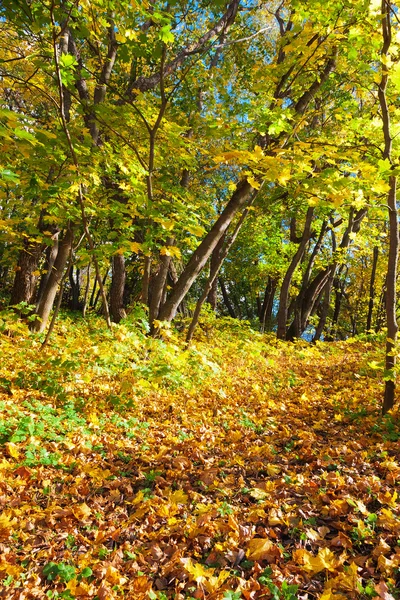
142, 140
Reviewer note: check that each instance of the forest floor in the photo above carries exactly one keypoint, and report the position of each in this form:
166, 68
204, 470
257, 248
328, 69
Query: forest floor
241, 468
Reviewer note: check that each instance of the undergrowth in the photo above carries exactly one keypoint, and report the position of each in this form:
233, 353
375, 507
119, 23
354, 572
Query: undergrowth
241, 467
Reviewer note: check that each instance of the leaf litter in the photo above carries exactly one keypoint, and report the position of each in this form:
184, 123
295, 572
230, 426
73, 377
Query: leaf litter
266, 472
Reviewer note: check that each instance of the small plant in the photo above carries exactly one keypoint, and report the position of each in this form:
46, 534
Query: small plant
229, 595
63, 571
368, 591
103, 553
285, 592
70, 542
225, 509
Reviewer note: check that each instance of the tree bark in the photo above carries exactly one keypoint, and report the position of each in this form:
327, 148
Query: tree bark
25, 276
46, 303
226, 298
284, 294
215, 269
75, 287
200, 256
85, 299
51, 254
324, 309
391, 276
117, 311
314, 289
295, 327
268, 304
372, 288
215, 259
158, 285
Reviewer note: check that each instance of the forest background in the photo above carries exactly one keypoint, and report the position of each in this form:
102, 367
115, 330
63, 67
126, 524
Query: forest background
231, 165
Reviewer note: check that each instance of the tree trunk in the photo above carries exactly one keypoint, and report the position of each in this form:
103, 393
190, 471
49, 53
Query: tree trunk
226, 298
49, 293
96, 299
216, 265
51, 254
311, 294
380, 313
268, 304
26, 273
85, 299
117, 288
200, 256
372, 288
75, 287
158, 285
215, 258
391, 278
324, 309
284, 294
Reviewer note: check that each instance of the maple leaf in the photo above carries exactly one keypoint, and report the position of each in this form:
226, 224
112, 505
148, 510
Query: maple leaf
325, 559
262, 549
198, 572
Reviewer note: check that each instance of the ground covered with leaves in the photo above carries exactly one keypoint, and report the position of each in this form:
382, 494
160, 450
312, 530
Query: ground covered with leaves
241, 468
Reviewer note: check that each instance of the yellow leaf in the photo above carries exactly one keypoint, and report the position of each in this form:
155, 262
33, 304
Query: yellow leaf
93, 418
347, 581
135, 247
314, 564
258, 494
170, 251
198, 572
273, 470
179, 497
196, 230
254, 183
82, 511
114, 577
12, 450
284, 176
260, 548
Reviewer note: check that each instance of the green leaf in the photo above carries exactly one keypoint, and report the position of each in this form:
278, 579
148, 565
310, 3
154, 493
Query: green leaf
67, 61
165, 34
9, 175
22, 134
86, 572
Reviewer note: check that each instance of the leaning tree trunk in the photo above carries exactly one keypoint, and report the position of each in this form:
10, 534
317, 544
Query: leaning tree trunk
200, 256
158, 286
117, 311
46, 303
75, 287
51, 255
324, 309
215, 269
295, 327
312, 293
215, 259
26, 273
